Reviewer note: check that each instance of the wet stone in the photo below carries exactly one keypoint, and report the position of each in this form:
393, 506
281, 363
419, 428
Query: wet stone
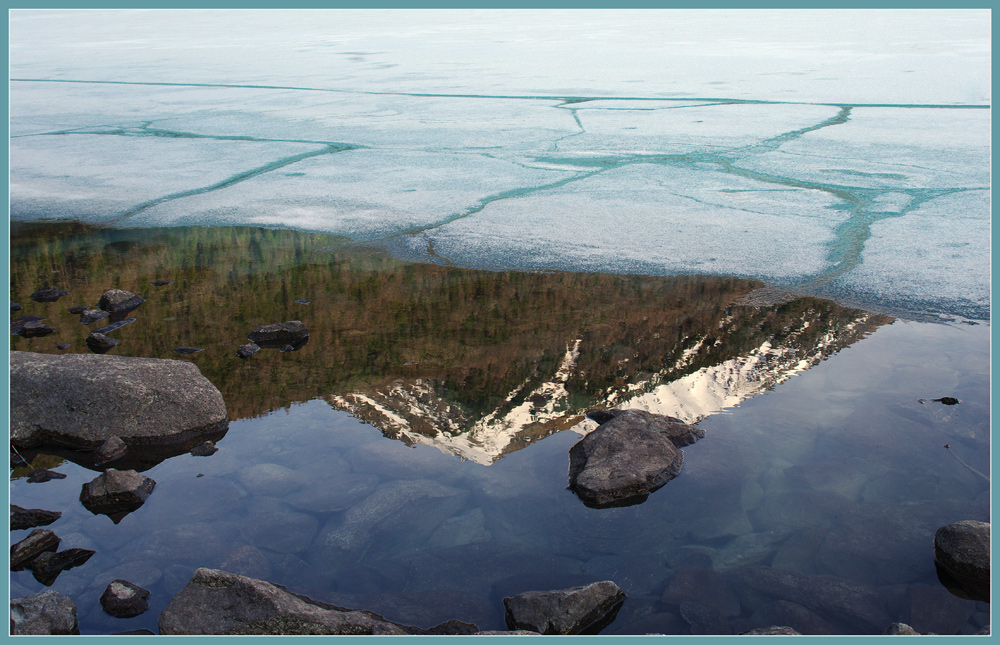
962, 550
47, 612
77, 310
577, 610
113, 448
47, 566
784, 612
99, 343
40, 475
935, 609
705, 619
161, 283
247, 561
38, 542
113, 326
247, 350
17, 322
291, 332
48, 294
336, 493
62, 346
90, 316
270, 479
116, 493
115, 300
14, 306
35, 329
141, 572
188, 350
205, 449
122, 599
26, 518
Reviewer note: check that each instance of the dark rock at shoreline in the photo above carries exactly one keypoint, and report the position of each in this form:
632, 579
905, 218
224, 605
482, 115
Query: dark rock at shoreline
631, 454
161, 283
947, 400
26, 518
141, 400
40, 475
99, 343
112, 449
33, 329
962, 551
205, 449
47, 566
577, 610
247, 350
38, 542
48, 294
90, 316
292, 332
122, 599
217, 602
774, 630
46, 612
117, 300
116, 493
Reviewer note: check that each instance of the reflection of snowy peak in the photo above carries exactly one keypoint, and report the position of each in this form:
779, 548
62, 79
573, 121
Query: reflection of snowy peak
413, 412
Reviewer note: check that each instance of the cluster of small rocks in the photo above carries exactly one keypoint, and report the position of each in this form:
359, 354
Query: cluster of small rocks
114, 303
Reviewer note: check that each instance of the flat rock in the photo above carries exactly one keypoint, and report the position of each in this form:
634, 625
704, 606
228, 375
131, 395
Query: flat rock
26, 518
115, 300
291, 332
47, 612
90, 316
631, 454
38, 542
122, 599
47, 567
217, 602
962, 549
577, 610
116, 493
48, 294
34, 329
82, 400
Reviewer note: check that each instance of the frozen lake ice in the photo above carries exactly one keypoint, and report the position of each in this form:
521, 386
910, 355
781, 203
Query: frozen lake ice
840, 153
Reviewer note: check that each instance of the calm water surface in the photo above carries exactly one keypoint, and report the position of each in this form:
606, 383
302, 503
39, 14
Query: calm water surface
834, 474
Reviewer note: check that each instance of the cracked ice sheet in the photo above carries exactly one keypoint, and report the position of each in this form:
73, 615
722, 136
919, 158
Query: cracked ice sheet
714, 128
98, 178
935, 258
886, 148
648, 219
362, 194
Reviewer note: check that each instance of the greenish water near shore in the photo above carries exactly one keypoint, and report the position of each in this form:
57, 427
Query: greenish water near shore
830, 468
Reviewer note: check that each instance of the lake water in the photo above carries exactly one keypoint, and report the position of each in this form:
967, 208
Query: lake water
489, 229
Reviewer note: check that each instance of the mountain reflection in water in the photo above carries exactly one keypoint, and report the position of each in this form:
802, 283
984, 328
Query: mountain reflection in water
476, 363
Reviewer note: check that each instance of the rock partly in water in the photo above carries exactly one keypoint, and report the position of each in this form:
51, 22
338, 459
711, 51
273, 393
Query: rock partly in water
33, 329
116, 493
14, 306
111, 450
161, 283
205, 449
90, 316
187, 350
62, 346
122, 599
47, 567
26, 518
38, 542
292, 332
48, 294
247, 350
577, 610
47, 612
962, 555
101, 344
217, 602
773, 630
631, 454
81, 400
40, 475
117, 324
117, 300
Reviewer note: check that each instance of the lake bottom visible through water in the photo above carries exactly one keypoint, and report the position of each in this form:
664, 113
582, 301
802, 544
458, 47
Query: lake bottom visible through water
839, 476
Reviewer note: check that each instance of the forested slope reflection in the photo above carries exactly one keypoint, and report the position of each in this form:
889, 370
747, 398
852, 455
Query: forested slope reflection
479, 363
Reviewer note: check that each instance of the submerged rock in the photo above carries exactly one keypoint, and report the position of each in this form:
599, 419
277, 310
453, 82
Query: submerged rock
40, 475
205, 449
38, 542
140, 400
116, 493
577, 610
47, 567
962, 551
631, 454
107, 329
188, 350
34, 329
217, 602
47, 612
99, 343
292, 332
247, 350
115, 300
26, 518
122, 599
48, 294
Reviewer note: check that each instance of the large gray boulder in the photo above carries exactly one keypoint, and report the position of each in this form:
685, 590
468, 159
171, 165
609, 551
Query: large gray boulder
631, 454
577, 610
47, 612
81, 400
962, 550
217, 602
